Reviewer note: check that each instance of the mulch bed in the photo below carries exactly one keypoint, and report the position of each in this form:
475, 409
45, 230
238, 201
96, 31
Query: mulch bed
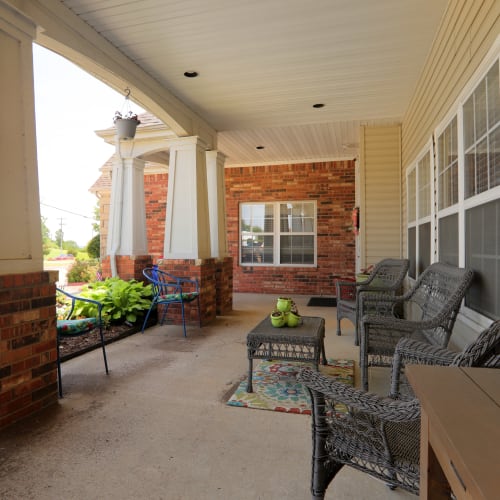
70, 347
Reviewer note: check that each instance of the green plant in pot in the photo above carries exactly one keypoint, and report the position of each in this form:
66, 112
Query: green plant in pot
277, 319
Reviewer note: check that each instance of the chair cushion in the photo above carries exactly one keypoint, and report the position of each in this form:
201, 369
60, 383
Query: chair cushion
76, 326
186, 296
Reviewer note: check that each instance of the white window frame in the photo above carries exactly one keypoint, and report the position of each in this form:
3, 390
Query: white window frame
277, 233
429, 218
464, 204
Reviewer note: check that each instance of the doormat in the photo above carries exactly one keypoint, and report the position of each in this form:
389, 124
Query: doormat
276, 387
322, 302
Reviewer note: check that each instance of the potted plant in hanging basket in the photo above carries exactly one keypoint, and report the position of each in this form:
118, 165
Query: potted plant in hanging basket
126, 125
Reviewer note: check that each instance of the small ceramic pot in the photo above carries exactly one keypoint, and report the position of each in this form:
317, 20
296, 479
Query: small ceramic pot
293, 319
277, 319
284, 304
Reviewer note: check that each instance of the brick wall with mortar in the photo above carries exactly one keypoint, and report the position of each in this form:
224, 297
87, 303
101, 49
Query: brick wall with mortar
331, 184
28, 373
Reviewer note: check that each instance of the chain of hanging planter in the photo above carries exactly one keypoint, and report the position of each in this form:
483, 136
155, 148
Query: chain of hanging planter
126, 120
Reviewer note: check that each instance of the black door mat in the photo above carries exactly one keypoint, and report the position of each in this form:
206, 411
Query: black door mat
322, 302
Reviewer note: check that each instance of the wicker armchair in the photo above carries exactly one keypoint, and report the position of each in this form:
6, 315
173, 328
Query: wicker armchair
429, 311
387, 277
377, 435
482, 352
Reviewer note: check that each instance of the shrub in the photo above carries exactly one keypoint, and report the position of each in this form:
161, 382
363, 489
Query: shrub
94, 247
121, 300
83, 271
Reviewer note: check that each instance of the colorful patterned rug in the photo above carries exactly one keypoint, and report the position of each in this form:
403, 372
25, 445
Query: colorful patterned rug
277, 389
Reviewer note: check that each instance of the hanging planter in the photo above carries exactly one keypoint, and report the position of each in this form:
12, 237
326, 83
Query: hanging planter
126, 126
126, 122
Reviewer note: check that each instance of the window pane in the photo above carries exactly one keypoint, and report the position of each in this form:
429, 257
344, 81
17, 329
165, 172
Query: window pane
424, 186
412, 196
448, 240
296, 217
469, 123
297, 250
447, 166
494, 148
480, 110
482, 254
412, 252
482, 166
493, 89
424, 247
481, 114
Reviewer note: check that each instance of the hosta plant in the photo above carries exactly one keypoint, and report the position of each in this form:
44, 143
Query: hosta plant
122, 300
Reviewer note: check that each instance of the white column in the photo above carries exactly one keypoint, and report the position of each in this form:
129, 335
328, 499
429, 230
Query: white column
20, 226
217, 203
127, 218
187, 228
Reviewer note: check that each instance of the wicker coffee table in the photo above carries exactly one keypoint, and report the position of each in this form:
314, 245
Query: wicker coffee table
305, 342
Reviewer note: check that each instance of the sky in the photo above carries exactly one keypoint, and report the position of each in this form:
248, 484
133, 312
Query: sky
70, 105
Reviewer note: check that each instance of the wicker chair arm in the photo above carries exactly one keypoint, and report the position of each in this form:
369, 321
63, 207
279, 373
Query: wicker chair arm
386, 409
397, 324
409, 351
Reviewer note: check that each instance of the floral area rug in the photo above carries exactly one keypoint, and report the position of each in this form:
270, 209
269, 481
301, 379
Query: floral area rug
277, 389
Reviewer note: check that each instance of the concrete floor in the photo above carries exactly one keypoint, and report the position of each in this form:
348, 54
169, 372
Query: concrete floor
158, 428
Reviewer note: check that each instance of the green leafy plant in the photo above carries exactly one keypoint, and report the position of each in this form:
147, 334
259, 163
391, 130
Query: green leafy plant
83, 271
122, 300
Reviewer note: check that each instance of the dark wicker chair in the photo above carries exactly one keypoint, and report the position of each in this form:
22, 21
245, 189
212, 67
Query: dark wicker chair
482, 352
429, 312
376, 435
169, 289
69, 327
387, 277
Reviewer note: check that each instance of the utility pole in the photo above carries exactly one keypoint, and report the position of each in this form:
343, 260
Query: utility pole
61, 224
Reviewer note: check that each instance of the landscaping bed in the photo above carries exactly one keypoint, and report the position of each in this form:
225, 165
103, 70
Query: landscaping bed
70, 347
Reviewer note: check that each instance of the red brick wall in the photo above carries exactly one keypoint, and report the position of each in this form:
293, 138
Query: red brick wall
155, 193
28, 373
331, 184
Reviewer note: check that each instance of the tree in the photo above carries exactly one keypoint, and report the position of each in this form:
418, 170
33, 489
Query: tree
71, 247
94, 247
46, 241
59, 238
96, 226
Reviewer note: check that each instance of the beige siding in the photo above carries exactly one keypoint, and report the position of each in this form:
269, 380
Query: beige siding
467, 31
380, 184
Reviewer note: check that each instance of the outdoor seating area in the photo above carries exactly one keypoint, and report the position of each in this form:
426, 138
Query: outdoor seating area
162, 413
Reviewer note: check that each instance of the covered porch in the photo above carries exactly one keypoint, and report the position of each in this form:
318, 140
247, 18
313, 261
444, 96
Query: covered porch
158, 425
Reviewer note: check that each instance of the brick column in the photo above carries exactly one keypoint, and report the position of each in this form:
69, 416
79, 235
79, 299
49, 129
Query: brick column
127, 266
204, 270
224, 286
28, 373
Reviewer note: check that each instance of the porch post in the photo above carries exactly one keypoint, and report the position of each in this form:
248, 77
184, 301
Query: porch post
187, 224
217, 203
127, 219
187, 250
28, 379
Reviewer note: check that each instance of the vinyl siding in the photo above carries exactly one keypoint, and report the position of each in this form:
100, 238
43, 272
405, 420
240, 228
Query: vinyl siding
380, 193
467, 31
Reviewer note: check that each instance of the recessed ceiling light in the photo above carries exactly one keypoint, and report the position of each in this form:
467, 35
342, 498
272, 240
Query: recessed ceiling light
259, 147
190, 74
318, 105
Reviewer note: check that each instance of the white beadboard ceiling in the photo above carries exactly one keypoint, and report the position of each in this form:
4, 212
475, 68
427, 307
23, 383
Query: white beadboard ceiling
262, 65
